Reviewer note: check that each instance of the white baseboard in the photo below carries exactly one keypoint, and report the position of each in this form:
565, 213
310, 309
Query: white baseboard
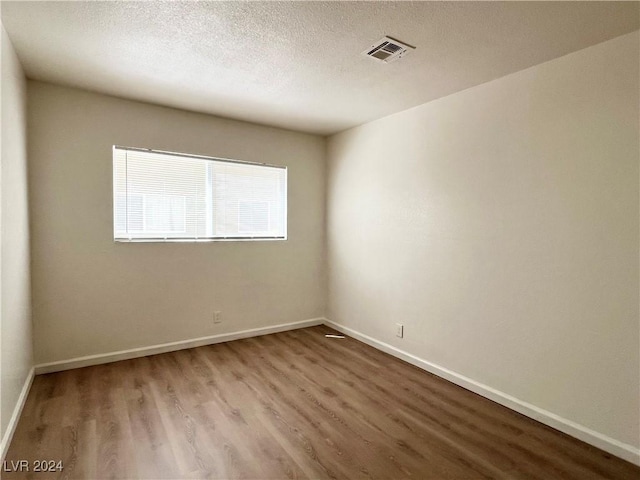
90, 360
13, 421
604, 442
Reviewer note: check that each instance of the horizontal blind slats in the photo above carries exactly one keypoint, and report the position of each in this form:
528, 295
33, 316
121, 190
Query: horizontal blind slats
159, 195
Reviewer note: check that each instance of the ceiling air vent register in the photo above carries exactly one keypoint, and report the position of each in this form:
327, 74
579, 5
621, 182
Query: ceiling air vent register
388, 49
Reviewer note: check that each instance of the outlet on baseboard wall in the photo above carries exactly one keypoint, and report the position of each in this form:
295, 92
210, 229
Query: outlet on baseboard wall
217, 316
399, 330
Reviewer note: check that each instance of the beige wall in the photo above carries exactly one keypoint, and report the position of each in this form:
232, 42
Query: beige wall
15, 312
500, 226
92, 296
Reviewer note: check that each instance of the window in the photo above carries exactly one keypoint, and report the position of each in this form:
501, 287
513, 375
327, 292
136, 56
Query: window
162, 196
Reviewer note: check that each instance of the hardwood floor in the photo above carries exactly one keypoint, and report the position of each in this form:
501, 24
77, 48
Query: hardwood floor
288, 405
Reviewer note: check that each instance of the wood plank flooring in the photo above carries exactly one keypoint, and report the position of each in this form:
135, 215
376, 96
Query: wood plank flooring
288, 405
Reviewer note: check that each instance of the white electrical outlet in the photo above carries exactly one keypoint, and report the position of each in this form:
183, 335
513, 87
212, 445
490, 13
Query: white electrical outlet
399, 330
217, 318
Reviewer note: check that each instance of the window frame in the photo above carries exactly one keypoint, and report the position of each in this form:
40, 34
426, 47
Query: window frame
209, 194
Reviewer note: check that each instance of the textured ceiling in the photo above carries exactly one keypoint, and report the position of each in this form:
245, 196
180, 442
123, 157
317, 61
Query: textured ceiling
297, 65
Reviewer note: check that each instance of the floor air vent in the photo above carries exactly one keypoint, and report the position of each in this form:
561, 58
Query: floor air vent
388, 50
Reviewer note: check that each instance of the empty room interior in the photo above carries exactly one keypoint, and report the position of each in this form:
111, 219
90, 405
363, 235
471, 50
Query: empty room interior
285, 240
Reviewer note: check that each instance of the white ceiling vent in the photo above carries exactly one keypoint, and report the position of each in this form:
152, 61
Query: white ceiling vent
388, 50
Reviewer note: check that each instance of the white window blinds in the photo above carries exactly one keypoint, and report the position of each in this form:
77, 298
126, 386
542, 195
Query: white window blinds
169, 196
